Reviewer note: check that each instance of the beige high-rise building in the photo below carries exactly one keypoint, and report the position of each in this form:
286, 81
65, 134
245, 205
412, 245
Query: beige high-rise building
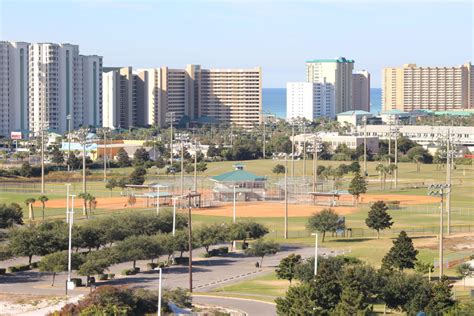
361, 91
229, 96
411, 88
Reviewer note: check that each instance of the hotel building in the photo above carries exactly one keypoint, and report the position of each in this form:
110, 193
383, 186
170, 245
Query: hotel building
162, 95
361, 91
412, 87
336, 76
13, 87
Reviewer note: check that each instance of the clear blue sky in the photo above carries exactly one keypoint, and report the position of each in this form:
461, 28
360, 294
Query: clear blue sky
277, 35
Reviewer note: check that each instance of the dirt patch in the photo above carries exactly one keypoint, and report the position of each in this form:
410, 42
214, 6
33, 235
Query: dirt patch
404, 199
455, 242
268, 209
110, 203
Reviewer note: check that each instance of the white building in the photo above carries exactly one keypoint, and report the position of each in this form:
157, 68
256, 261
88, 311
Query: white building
354, 118
13, 87
334, 140
424, 135
336, 76
309, 100
46, 83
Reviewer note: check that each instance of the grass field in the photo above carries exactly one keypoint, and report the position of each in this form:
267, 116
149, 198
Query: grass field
420, 220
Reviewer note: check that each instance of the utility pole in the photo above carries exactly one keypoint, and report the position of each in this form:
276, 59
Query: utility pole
304, 159
365, 146
292, 150
286, 196
315, 165
396, 154
171, 120
448, 179
69, 255
190, 244
182, 166
105, 154
42, 126
390, 140
264, 137
195, 165
440, 190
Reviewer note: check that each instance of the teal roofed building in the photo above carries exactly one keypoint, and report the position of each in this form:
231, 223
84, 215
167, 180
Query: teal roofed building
244, 185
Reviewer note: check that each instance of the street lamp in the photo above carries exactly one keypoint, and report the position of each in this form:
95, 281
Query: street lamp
159, 292
365, 145
440, 190
315, 253
69, 284
68, 185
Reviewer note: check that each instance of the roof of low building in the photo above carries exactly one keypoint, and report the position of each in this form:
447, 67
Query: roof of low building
238, 176
354, 112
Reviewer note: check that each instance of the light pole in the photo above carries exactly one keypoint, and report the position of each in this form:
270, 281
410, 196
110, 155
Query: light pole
365, 146
440, 190
292, 150
71, 220
68, 185
195, 165
286, 196
315, 253
233, 220
159, 292
68, 118
174, 215
448, 180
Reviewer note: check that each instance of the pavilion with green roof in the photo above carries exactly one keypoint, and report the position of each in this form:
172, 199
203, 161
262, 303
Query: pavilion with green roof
245, 185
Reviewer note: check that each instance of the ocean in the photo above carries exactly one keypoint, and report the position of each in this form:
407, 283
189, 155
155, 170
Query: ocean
274, 101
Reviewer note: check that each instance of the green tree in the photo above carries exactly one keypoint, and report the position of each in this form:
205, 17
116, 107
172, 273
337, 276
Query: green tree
43, 199
378, 218
278, 169
261, 248
57, 156
122, 158
208, 235
424, 268
299, 300
402, 255
29, 203
287, 267
58, 262
73, 162
140, 157
137, 177
441, 297
464, 270
25, 242
357, 186
10, 215
26, 170
136, 248
111, 184
324, 221
97, 262
352, 303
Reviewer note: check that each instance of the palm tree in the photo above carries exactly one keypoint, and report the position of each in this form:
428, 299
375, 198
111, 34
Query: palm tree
86, 198
29, 202
382, 172
43, 199
417, 159
92, 203
390, 169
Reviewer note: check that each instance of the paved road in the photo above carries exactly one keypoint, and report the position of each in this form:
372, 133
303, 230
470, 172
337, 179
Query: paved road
208, 274
252, 308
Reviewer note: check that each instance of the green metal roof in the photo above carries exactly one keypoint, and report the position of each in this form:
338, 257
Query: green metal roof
339, 60
354, 112
238, 176
454, 113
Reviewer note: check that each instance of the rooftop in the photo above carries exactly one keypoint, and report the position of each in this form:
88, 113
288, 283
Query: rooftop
238, 176
338, 60
355, 112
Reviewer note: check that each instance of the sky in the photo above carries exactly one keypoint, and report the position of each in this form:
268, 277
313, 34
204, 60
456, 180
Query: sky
277, 35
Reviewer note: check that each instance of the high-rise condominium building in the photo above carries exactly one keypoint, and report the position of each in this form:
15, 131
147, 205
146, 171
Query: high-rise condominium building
47, 83
336, 74
13, 87
411, 88
361, 91
165, 95
309, 100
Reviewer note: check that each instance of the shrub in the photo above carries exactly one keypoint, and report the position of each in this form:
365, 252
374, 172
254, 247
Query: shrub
129, 272
3, 271
35, 265
102, 277
77, 281
24, 267
111, 276
152, 265
183, 260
